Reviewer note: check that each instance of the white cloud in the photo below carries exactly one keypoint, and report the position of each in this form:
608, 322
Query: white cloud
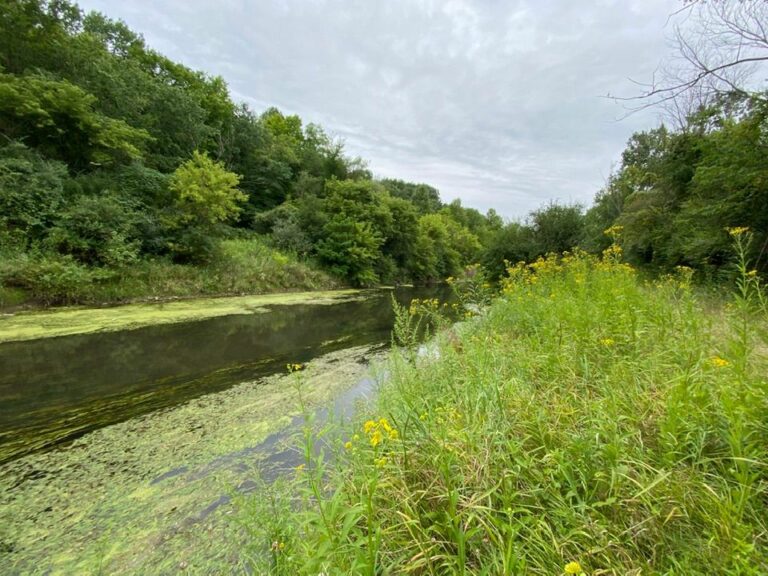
500, 103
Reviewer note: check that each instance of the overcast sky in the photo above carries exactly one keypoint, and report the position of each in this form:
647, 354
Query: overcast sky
498, 102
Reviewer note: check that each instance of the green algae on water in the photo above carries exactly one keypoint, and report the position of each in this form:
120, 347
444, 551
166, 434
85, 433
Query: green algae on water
76, 320
132, 498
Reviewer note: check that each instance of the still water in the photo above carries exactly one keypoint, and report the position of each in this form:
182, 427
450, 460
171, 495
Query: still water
55, 389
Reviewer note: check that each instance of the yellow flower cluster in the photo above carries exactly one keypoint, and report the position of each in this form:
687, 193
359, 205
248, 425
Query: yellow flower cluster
613, 252
573, 264
448, 415
614, 231
548, 264
424, 307
379, 431
574, 568
737, 230
607, 341
719, 362
293, 367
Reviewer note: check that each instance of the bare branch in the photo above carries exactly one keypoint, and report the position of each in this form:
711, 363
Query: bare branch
719, 47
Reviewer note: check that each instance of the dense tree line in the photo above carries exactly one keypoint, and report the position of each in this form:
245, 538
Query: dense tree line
111, 153
675, 194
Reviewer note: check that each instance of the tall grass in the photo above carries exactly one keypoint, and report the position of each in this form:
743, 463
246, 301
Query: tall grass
241, 266
586, 422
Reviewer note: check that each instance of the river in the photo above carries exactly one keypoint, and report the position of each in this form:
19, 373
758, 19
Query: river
100, 432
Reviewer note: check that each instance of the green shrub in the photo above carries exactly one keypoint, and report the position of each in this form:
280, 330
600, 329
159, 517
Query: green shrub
96, 230
51, 278
32, 191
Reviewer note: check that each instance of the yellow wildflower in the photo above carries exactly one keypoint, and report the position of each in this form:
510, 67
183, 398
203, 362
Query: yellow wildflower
573, 568
737, 230
385, 424
348, 445
393, 434
369, 426
718, 362
751, 273
380, 462
376, 438
607, 341
300, 467
423, 416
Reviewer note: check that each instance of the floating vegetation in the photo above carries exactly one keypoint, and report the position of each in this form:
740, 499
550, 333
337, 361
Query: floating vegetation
149, 494
69, 321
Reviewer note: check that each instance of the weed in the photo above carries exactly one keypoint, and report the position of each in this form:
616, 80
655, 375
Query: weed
589, 422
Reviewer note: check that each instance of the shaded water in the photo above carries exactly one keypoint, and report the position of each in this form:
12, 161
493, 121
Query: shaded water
55, 389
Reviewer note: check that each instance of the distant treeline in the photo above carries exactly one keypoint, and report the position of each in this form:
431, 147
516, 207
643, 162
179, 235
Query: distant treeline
674, 194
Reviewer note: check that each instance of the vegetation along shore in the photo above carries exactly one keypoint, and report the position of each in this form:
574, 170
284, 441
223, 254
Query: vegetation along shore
227, 346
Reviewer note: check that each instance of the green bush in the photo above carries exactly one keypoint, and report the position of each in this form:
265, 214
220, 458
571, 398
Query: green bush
51, 278
32, 191
96, 230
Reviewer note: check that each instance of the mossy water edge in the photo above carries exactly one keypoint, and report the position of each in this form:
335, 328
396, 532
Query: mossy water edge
133, 496
78, 320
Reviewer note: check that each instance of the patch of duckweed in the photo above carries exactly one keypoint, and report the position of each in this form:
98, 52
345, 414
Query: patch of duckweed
70, 321
149, 495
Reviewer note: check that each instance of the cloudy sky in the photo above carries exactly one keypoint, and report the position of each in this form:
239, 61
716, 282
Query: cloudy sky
498, 102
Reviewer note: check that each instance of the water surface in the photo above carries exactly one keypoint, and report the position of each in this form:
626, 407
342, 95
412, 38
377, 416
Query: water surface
56, 389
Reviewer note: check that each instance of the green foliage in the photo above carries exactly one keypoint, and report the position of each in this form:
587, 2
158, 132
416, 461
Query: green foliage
350, 250
204, 192
128, 156
204, 195
512, 244
50, 278
675, 193
59, 118
452, 244
401, 242
557, 228
96, 230
32, 191
587, 422
242, 266
424, 197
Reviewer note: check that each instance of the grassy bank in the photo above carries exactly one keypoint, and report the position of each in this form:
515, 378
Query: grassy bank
241, 266
587, 422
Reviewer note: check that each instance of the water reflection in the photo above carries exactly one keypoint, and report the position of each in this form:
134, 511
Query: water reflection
55, 389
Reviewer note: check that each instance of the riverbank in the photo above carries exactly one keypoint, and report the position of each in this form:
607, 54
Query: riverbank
240, 266
31, 325
149, 495
586, 423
